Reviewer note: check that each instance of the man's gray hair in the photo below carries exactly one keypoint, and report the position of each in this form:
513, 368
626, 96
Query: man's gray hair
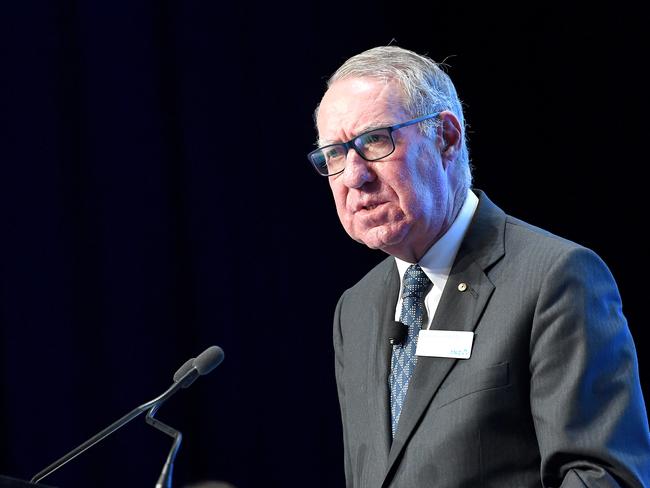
426, 87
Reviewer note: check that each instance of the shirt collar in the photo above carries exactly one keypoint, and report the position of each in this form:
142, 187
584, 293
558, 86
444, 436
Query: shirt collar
438, 260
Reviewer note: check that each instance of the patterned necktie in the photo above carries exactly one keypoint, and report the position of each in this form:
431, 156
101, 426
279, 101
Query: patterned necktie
413, 314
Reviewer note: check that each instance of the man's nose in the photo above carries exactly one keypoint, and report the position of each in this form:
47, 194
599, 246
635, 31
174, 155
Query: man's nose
357, 170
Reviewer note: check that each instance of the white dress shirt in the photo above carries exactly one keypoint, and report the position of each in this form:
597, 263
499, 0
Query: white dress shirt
437, 261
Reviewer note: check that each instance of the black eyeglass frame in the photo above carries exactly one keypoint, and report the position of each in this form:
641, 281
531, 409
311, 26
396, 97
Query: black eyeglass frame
350, 144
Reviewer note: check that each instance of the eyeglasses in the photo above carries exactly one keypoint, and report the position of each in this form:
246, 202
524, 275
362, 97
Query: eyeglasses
372, 145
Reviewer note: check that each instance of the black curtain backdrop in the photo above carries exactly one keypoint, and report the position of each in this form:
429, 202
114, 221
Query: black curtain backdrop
155, 199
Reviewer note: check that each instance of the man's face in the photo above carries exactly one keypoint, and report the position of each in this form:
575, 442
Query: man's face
401, 204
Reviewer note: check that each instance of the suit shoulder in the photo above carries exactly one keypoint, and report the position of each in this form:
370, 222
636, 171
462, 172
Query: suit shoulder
518, 231
375, 279
543, 248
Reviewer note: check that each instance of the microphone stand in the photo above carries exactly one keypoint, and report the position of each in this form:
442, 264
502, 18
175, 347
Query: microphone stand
184, 377
184, 381
165, 479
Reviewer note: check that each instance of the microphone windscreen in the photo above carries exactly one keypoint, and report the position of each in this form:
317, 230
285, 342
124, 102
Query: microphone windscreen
189, 364
209, 359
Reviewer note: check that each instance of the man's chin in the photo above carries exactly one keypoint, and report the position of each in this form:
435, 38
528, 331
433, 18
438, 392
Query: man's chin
383, 239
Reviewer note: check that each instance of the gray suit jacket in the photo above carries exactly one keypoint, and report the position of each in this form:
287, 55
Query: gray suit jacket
549, 397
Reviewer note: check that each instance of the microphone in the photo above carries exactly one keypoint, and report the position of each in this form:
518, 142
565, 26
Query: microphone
184, 377
187, 365
195, 367
397, 333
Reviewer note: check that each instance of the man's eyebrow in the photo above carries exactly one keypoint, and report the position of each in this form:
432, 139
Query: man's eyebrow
363, 130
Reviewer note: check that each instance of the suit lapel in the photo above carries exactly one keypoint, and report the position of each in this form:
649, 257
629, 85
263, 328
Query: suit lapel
382, 315
457, 310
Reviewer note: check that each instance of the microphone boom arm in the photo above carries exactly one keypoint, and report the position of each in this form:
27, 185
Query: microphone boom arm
184, 377
188, 377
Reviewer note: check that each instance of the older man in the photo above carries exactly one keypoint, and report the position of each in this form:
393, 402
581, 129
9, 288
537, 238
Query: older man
514, 366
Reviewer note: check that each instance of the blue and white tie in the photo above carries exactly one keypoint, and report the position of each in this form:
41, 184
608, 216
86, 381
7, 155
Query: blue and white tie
414, 289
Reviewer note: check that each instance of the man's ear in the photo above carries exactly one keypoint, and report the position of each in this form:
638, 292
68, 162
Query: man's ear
450, 137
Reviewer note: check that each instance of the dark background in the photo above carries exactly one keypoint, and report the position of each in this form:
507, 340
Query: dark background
155, 199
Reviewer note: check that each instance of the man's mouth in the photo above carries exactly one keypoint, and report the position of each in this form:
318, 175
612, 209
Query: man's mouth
369, 207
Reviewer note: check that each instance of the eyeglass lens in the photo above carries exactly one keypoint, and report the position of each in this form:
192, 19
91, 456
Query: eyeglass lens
371, 146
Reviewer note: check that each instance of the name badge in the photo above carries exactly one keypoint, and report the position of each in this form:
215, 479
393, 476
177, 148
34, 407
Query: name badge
445, 344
